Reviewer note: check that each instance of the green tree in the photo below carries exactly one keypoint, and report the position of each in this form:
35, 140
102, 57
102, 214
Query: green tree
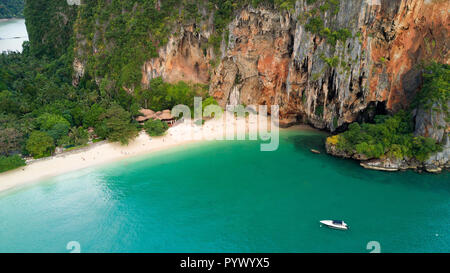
92, 117
58, 131
48, 121
180, 93
10, 163
155, 97
155, 127
40, 144
10, 141
115, 125
436, 87
144, 96
390, 135
8, 102
208, 101
423, 147
11, 8
55, 125
78, 136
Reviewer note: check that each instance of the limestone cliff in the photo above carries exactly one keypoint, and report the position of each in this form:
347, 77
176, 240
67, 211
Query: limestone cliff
434, 123
275, 56
183, 59
49, 26
271, 58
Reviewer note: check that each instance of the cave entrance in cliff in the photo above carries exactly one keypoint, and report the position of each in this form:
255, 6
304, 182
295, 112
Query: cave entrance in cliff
381, 108
373, 109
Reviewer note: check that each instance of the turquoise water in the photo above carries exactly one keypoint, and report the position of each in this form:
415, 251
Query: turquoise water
13, 33
230, 197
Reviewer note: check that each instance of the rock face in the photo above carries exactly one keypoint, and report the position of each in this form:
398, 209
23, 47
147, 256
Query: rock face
184, 58
256, 66
433, 123
386, 165
272, 59
269, 57
441, 159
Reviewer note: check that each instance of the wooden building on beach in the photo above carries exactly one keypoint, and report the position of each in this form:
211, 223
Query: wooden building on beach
148, 114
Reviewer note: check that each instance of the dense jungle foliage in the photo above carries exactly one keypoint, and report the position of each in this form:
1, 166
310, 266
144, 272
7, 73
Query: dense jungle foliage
11, 9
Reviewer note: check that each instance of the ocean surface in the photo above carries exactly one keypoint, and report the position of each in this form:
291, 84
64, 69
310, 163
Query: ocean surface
12, 35
229, 197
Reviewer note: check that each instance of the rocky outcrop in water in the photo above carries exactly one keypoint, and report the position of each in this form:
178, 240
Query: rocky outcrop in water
434, 123
430, 123
434, 165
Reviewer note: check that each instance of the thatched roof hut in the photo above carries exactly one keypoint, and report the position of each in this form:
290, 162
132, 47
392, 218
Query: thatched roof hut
147, 114
141, 119
165, 115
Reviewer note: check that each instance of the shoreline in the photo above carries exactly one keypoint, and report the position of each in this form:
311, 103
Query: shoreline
304, 127
91, 156
10, 19
105, 152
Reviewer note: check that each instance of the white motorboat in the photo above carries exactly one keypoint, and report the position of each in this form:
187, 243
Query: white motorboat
336, 224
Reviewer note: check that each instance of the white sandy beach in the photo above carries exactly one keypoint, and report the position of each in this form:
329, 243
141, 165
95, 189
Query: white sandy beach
101, 153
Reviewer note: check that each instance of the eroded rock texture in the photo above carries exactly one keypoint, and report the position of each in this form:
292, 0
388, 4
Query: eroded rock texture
184, 58
269, 57
272, 59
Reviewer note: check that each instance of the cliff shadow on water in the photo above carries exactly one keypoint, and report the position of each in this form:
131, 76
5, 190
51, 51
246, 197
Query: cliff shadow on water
306, 142
341, 168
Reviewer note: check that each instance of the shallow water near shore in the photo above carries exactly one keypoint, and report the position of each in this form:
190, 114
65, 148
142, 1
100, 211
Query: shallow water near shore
230, 197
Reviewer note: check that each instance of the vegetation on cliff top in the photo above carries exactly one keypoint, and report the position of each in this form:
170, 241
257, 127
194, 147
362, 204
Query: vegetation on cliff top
314, 22
11, 9
161, 95
390, 136
435, 92
393, 136
125, 34
49, 26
